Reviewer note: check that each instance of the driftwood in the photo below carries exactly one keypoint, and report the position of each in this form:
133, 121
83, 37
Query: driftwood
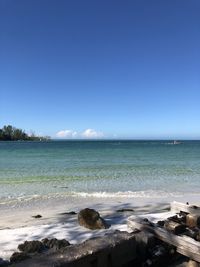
185, 245
193, 264
174, 227
192, 220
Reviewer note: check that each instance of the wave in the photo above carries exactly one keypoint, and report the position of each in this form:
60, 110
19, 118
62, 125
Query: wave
102, 195
126, 194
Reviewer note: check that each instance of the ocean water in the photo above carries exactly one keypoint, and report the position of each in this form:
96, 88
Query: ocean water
98, 168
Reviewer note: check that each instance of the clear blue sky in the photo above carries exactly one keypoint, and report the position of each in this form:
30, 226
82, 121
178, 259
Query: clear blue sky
126, 69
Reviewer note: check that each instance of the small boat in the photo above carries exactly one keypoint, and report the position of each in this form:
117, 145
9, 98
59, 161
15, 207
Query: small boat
176, 142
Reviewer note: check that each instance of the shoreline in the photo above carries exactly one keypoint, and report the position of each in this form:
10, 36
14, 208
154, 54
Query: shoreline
20, 214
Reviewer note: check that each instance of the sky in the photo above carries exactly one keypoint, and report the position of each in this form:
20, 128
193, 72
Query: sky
101, 69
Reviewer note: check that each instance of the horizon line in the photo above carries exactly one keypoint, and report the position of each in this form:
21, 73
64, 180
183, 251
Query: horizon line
101, 140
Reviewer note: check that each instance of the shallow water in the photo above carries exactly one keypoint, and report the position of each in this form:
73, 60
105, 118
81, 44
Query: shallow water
98, 168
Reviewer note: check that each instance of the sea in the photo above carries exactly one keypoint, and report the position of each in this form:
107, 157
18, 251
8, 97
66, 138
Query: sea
105, 169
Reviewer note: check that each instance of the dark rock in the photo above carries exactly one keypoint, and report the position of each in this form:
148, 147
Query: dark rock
174, 227
69, 213
4, 263
31, 246
37, 216
161, 223
18, 256
55, 243
197, 237
145, 221
91, 219
158, 256
121, 246
179, 218
194, 207
124, 210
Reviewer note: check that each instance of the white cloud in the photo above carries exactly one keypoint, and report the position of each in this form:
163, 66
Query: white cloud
91, 133
66, 134
87, 134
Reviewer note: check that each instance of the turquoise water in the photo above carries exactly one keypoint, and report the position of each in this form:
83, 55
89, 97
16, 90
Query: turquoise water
101, 168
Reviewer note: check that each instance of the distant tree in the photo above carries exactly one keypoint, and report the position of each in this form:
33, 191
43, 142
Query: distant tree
1, 134
7, 132
10, 133
18, 134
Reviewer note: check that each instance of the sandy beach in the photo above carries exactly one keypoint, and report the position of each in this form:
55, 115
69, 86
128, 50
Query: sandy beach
18, 225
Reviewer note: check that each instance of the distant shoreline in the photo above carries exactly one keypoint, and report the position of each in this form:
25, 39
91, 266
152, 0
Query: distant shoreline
105, 140
11, 133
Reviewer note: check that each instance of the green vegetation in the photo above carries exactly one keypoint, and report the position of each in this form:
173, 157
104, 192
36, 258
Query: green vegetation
10, 133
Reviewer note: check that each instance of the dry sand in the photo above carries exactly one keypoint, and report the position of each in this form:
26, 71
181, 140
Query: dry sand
18, 225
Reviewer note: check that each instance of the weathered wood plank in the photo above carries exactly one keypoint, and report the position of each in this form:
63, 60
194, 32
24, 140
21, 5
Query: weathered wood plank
192, 209
185, 245
192, 263
174, 227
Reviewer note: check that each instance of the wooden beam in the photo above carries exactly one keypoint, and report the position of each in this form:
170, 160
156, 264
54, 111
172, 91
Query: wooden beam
185, 245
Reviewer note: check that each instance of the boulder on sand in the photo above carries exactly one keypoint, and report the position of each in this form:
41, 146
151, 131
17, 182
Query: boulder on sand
91, 219
55, 243
18, 256
31, 246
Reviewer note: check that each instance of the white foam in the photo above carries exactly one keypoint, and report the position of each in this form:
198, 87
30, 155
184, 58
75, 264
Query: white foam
126, 194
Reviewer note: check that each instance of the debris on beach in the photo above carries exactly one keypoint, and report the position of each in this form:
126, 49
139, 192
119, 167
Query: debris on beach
37, 216
29, 249
154, 240
125, 210
181, 230
68, 213
31, 246
54, 243
18, 257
